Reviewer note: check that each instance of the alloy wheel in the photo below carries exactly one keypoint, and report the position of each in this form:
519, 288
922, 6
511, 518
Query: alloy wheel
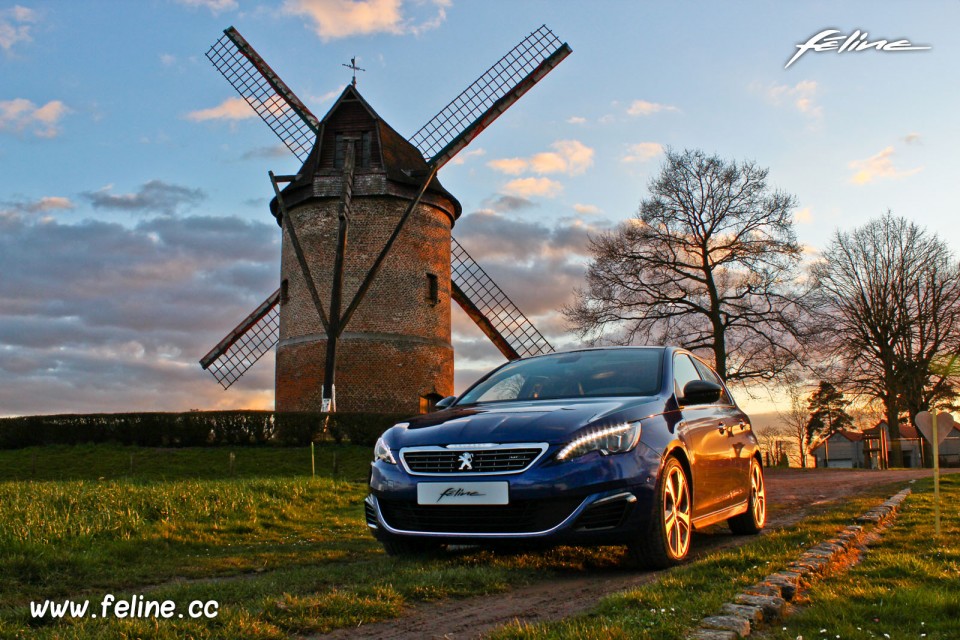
676, 511
758, 495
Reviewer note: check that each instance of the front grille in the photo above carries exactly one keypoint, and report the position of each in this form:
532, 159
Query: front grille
522, 516
485, 461
603, 516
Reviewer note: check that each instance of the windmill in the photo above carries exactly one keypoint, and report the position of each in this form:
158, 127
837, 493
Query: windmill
362, 181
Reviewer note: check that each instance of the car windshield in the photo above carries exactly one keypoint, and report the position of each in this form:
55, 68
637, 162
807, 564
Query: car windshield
580, 374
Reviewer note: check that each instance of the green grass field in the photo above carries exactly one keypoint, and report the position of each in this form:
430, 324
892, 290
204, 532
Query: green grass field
282, 552
908, 586
285, 554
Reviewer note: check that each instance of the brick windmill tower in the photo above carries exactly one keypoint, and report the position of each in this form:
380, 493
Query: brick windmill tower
368, 265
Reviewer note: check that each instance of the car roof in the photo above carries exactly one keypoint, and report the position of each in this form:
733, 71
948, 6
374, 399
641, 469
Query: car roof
601, 348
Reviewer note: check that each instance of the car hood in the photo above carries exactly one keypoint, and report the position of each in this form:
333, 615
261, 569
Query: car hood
551, 421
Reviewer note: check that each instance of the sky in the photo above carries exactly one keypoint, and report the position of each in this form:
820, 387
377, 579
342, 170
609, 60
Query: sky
134, 229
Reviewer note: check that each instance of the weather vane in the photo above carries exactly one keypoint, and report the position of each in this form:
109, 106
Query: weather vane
353, 65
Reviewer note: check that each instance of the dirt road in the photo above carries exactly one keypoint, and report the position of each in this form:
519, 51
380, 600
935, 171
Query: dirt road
792, 494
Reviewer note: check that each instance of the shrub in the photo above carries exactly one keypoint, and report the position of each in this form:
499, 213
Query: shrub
193, 429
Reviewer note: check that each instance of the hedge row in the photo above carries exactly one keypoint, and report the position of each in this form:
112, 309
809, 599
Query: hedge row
194, 429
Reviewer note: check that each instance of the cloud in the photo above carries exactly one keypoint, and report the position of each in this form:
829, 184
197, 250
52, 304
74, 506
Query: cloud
504, 203
492, 237
98, 316
463, 156
913, 138
42, 205
19, 115
645, 108
510, 166
216, 7
527, 187
50, 203
517, 254
571, 157
801, 96
576, 120
155, 196
229, 109
272, 151
15, 25
642, 152
342, 18
877, 167
803, 216
168, 59
586, 209
326, 97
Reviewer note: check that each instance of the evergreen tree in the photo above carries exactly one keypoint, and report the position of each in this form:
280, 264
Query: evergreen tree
828, 414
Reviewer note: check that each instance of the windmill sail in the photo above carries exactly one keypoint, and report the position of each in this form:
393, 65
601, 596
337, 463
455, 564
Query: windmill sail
445, 135
493, 311
489, 96
242, 347
263, 90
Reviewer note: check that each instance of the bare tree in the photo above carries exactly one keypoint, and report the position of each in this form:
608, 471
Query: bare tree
772, 438
794, 419
867, 411
707, 264
887, 297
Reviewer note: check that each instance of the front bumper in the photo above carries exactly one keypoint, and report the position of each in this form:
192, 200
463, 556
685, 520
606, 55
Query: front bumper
593, 500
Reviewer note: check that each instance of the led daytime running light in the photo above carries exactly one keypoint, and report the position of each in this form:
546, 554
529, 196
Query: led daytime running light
595, 440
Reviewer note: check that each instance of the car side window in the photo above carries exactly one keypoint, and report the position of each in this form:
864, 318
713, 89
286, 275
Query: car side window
709, 374
684, 371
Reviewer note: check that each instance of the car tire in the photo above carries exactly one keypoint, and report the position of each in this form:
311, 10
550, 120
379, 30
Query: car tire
400, 547
665, 541
752, 520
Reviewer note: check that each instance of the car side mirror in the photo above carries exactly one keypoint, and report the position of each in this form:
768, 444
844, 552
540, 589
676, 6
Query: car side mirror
446, 402
701, 392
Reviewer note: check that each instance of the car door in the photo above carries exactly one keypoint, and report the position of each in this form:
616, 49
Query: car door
735, 465
706, 445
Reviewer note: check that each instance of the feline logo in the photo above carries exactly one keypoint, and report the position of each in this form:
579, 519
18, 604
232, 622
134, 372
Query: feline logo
834, 40
457, 492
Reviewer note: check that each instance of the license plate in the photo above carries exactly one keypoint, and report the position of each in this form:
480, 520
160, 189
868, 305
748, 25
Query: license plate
442, 493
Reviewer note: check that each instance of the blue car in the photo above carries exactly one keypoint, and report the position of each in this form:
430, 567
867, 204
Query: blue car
623, 445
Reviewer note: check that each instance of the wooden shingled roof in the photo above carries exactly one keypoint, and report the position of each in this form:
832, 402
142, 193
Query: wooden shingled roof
390, 152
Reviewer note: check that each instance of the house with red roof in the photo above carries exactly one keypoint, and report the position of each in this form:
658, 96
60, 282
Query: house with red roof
872, 449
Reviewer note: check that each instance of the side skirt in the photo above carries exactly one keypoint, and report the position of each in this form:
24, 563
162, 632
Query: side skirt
721, 515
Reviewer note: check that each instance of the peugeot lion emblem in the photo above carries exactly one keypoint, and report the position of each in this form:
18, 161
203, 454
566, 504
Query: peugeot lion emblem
466, 461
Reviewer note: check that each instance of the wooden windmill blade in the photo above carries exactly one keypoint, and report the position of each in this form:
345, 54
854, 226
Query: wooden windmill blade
445, 135
495, 91
247, 343
297, 128
263, 90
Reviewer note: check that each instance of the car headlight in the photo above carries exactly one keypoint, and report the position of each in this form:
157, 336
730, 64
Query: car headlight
382, 452
615, 439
